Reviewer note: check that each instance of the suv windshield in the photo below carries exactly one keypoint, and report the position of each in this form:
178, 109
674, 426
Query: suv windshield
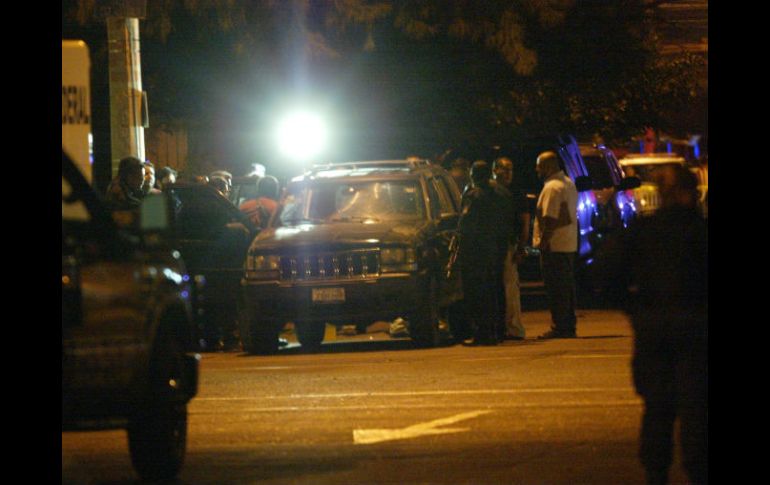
598, 171
341, 201
645, 172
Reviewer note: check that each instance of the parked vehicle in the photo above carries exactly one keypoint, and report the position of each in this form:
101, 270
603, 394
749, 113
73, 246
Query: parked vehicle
644, 166
604, 205
212, 236
127, 327
351, 244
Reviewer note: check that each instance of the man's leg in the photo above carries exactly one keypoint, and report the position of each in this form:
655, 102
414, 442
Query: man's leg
559, 279
516, 328
692, 384
513, 326
653, 368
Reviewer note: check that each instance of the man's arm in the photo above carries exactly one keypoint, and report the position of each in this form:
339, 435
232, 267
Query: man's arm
549, 225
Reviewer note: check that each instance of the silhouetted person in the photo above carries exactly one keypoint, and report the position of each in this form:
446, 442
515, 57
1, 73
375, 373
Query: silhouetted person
166, 176
556, 235
460, 172
125, 190
663, 262
484, 236
220, 183
503, 172
148, 187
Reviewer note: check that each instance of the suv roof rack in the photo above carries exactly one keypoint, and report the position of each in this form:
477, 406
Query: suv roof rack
651, 158
384, 164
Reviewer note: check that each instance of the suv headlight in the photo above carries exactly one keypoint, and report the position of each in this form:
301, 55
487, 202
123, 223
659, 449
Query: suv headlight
397, 259
260, 266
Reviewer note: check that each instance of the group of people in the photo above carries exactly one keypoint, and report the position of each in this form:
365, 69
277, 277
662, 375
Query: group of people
494, 230
658, 266
135, 180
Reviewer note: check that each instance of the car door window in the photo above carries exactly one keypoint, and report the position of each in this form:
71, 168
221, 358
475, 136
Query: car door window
444, 200
449, 204
200, 215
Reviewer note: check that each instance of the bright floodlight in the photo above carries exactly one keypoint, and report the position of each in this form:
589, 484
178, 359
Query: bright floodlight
301, 135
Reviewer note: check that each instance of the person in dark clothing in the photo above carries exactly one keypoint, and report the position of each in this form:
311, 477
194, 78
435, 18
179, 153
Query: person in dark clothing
484, 237
513, 328
460, 172
149, 179
166, 176
663, 261
125, 190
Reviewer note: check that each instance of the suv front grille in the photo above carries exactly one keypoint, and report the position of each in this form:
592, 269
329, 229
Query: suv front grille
648, 199
331, 265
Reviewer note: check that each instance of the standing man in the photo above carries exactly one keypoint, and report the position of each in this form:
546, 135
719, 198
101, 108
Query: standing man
460, 172
149, 179
663, 262
556, 235
125, 190
483, 241
503, 172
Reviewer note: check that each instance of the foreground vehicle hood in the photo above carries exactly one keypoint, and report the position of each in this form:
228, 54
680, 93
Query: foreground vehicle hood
338, 234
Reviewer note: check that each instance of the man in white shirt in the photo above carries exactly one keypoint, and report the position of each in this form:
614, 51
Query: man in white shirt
556, 235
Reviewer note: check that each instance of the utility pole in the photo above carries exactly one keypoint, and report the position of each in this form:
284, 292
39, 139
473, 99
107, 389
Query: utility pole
128, 116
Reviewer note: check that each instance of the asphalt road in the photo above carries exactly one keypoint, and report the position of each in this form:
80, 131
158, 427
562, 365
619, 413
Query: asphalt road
371, 409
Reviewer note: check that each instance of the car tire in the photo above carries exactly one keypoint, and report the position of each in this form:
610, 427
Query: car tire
424, 324
310, 334
157, 433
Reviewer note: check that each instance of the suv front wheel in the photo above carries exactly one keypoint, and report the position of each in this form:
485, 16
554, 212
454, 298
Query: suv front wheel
157, 433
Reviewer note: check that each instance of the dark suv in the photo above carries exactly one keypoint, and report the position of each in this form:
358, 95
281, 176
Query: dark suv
351, 244
126, 327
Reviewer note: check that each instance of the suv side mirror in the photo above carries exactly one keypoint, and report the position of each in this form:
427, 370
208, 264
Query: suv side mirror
154, 213
630, 182
583, 183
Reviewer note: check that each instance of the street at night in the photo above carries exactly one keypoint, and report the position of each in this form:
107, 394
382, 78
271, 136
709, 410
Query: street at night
370, 409
303, 240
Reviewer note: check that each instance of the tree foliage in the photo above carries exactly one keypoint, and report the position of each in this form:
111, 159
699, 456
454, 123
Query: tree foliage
465, 71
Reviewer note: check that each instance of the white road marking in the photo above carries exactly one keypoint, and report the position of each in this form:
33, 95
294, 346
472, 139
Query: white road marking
390, 407
595, 356
369, 436
454, 392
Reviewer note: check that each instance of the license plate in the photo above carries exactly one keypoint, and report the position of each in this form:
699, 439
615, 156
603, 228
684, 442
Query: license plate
328, 295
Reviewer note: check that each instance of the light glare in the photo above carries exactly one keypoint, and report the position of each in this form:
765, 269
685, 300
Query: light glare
301, 135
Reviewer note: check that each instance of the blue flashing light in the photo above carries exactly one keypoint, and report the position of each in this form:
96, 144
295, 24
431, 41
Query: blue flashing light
186, 278
185, 294
696, 150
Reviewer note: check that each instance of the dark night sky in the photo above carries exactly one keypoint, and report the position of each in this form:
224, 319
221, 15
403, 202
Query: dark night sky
404, 97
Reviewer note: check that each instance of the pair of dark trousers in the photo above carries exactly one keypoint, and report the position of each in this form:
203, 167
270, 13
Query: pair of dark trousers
559, 278
480, 287
670, 369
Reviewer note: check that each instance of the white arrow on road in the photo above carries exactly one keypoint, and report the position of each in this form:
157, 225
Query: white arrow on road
369, 436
